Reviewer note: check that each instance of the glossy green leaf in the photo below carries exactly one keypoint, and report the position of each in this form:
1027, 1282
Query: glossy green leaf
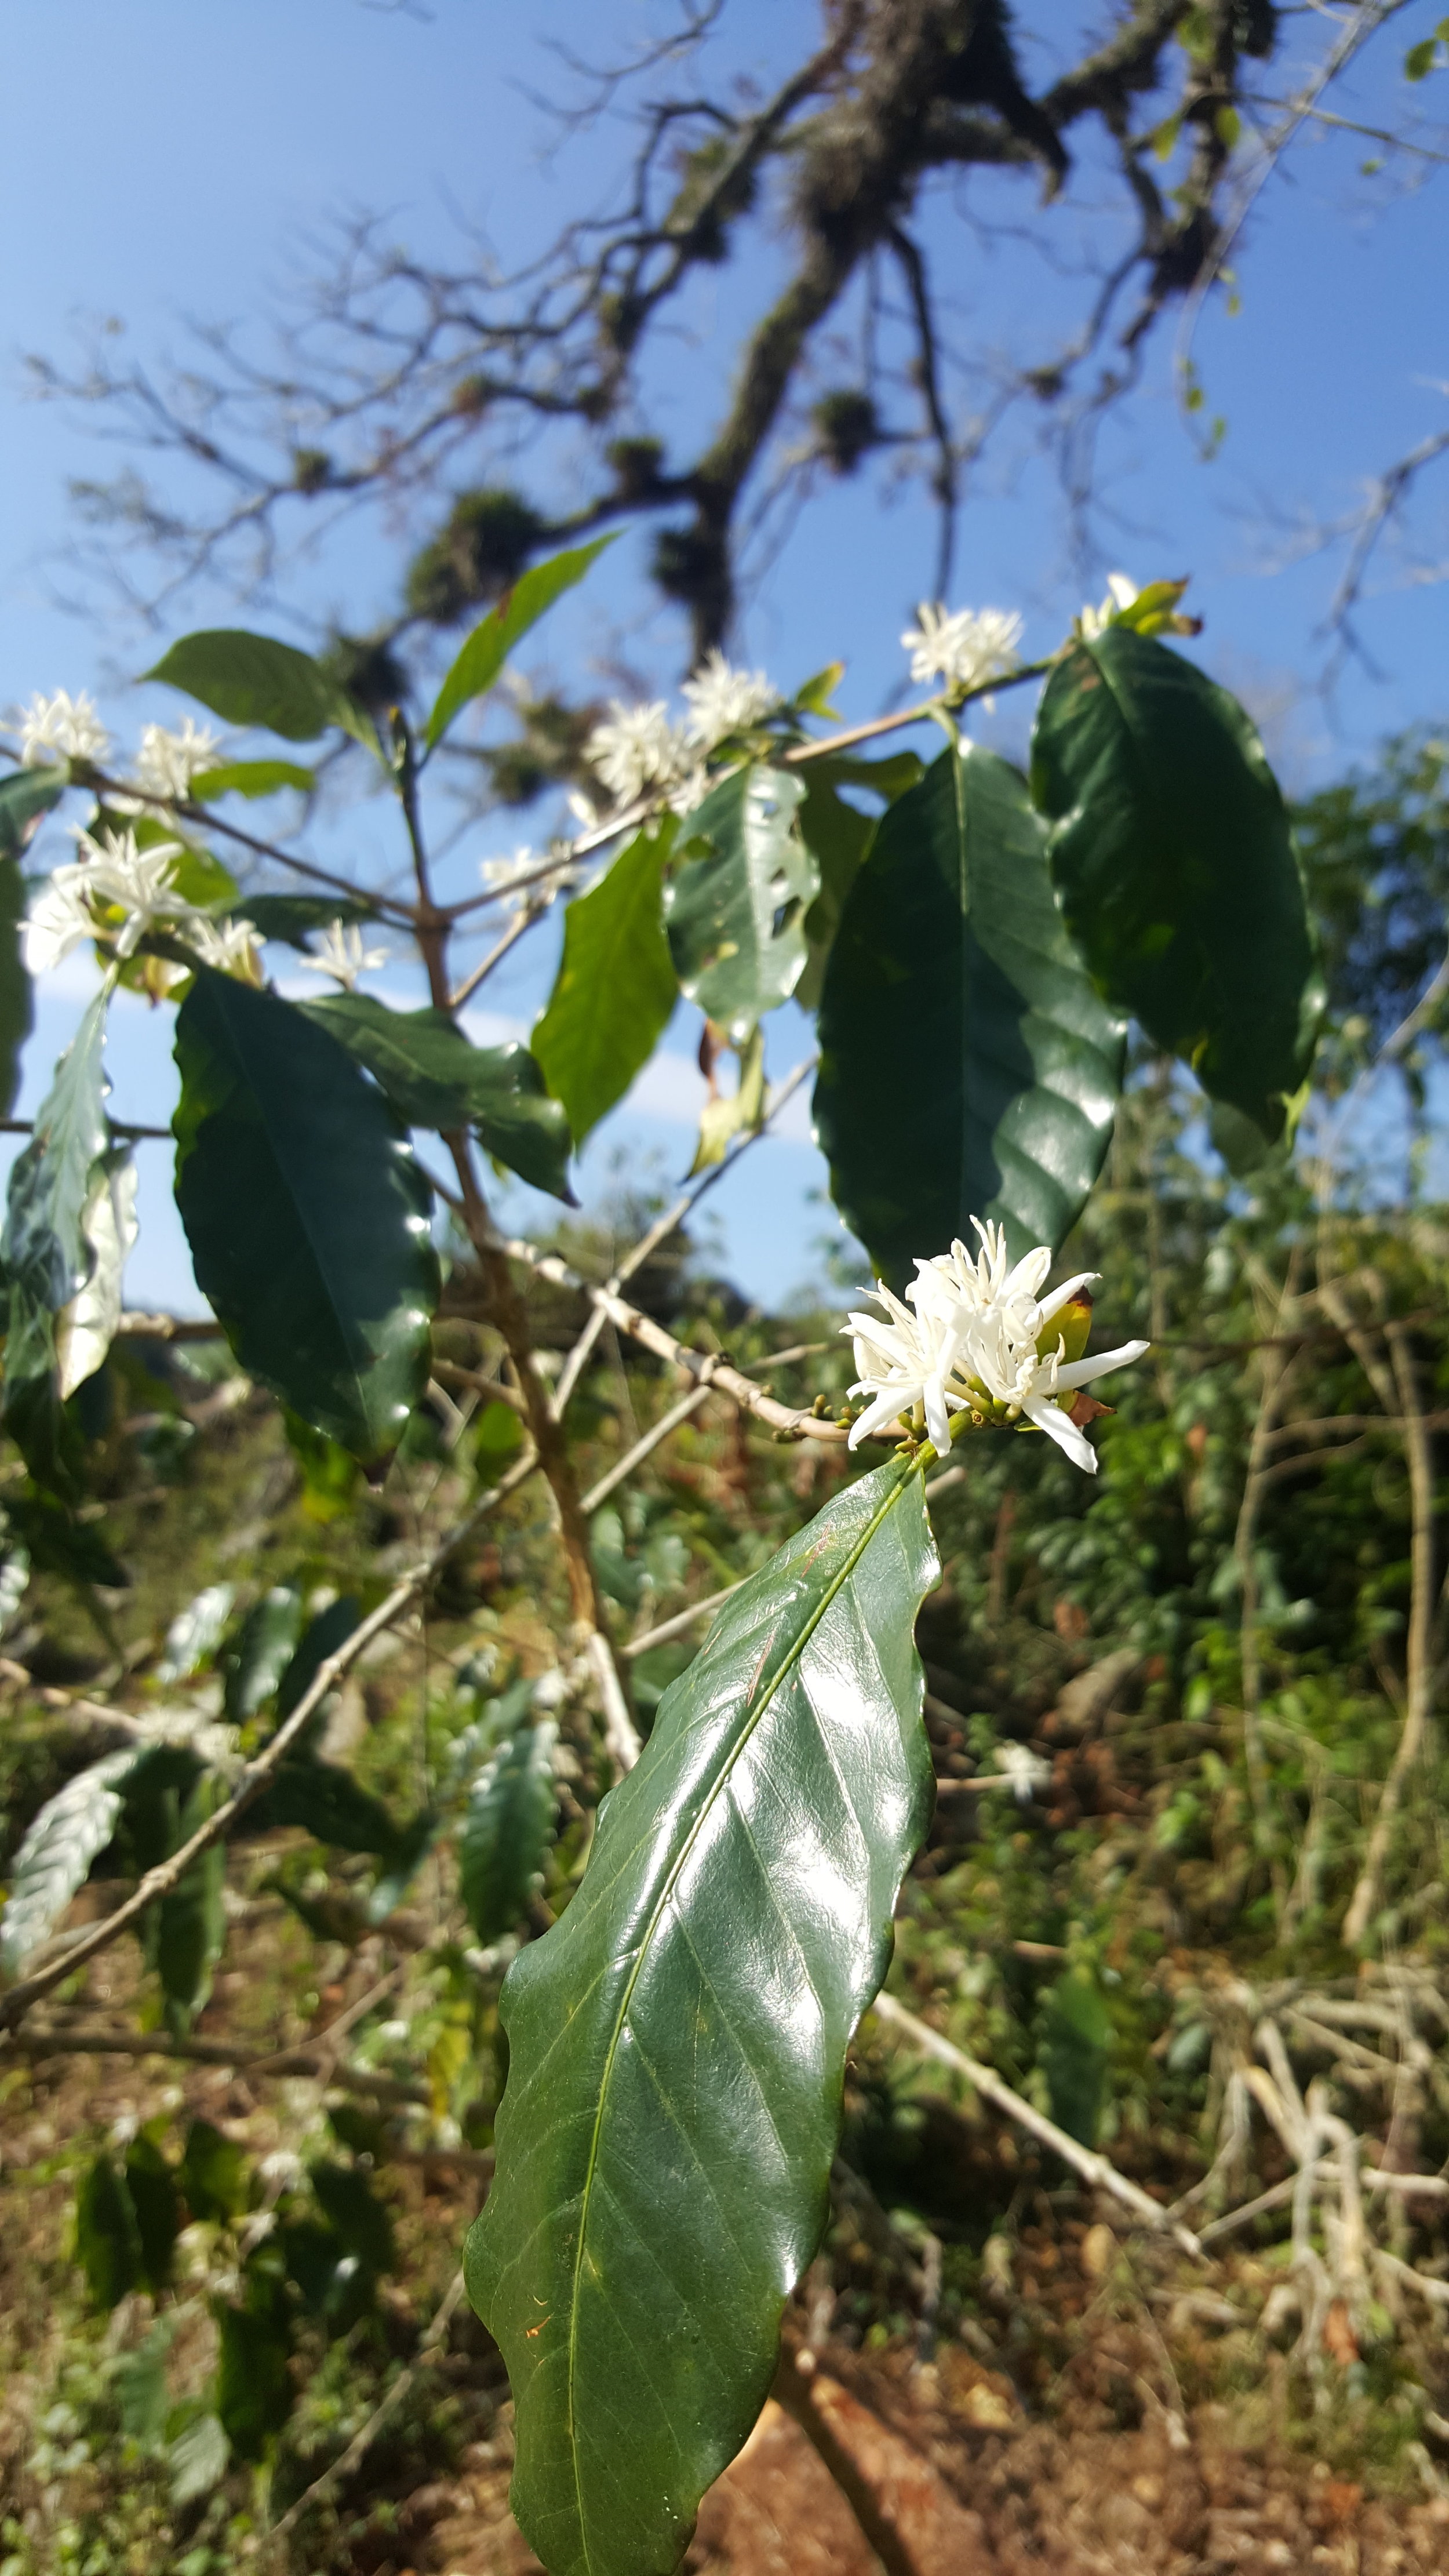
55, 1856
507, 1829
45, 1251
1173, 856
435, 1077
26, 795
253, 680
488, 647
294, 917
735, 910
256, 1658
326, 1289
107, 2241
677, 2042
967, 1065
17, 1004
837, 835
86, 1327
251, 778
195, 1633
615, 989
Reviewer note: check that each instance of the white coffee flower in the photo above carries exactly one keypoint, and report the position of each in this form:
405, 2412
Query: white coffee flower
1022, 1770
975, 1345
110, 871
343, 956
963, 646
722, 700
635, 748
167, 762
229, 946
1121, 592
61, 728
59, 918
140, 881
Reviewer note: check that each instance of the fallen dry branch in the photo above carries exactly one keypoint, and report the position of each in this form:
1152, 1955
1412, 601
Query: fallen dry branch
1093, 2168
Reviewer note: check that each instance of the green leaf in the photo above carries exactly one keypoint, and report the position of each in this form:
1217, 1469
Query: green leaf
1419, 60
86, 1327
736, 914
45, 1250
25, 795
195, 1633
435, 1077
17, 1001
360, 2220
139, 2380
615, 988
326, 1289
1173, 856
197, 2455
60, 1544
1076, 2043
967, 1066
293, 917
837, 835
212, 2173
260, 1652
507, 1830
191, 1917
677, 2042
157, 2204
251, 778
489, 645
253, 2384
54, 1859
326, 1802
107, 2243
254, 680
330, 1629
496, 1440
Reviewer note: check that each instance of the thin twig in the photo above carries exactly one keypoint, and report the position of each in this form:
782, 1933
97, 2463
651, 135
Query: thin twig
86, 2039
358, 2448
665, 1225
1092, 2167
648, 1441
169, 1873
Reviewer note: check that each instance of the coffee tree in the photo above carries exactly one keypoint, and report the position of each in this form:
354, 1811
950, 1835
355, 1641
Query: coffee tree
974, 942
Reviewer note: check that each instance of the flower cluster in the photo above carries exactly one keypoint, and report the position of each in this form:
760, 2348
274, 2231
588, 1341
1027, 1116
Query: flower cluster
964, 647
60, 728
978, 1339
112, 874
167, 762
723, 701
1122, 594
343, 956
637, 747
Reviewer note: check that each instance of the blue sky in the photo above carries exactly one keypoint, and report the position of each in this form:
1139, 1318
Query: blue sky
185, 169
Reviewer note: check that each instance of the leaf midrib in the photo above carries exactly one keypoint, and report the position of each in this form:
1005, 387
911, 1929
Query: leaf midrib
787, 1662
